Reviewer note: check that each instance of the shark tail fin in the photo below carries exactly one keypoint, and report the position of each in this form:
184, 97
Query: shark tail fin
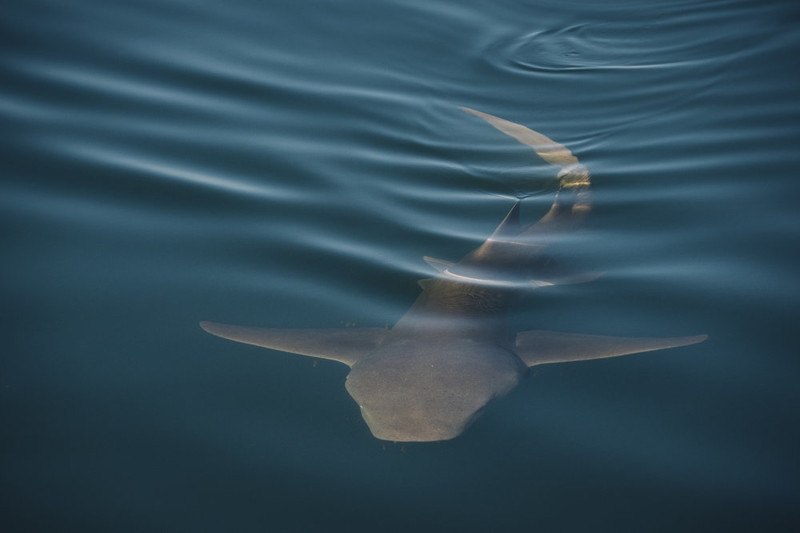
573, 200
545, 147
543, 347
343, 345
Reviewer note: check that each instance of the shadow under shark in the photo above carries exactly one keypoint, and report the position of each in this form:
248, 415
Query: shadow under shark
431, 375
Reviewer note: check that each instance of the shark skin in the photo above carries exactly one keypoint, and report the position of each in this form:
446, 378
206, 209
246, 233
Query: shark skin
430, 376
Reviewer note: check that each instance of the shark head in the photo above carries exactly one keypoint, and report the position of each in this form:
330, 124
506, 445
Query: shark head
419, 389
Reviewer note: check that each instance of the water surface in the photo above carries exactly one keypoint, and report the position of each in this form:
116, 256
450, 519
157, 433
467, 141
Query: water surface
288, 164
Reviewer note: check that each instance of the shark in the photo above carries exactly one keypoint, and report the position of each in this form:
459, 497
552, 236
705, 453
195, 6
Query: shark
453, 353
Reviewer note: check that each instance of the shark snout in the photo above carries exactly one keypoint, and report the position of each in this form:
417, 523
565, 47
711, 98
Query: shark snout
413, 427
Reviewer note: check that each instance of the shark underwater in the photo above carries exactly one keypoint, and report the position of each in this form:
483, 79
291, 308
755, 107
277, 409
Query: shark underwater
430, 376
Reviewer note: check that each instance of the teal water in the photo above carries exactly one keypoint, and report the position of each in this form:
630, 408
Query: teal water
288, 164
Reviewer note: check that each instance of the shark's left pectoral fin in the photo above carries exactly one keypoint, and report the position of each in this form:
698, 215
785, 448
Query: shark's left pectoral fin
542, 347
343, 345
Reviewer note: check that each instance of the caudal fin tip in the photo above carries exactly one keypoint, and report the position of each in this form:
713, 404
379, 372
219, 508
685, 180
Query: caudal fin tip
481, 114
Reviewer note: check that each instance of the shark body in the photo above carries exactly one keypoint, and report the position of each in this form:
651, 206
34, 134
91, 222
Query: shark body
431, 375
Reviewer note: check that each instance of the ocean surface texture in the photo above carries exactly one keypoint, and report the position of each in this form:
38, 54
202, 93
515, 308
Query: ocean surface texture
288, 164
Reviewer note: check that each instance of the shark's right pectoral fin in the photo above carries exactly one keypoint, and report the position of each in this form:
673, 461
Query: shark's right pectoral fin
343, 345
542, 347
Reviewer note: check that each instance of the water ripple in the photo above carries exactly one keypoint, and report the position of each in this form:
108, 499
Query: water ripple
583, 47
616, 43
150, 166
123, 84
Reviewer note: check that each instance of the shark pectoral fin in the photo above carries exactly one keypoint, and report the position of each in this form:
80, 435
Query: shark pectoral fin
542, 347
425, 283
343, 345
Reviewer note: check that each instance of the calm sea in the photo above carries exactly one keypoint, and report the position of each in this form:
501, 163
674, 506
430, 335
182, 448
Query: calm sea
288, 163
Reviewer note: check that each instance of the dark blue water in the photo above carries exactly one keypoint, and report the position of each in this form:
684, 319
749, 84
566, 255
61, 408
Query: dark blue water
287, 164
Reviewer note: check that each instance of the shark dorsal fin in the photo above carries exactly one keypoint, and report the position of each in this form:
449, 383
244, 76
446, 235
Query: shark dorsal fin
542, 347
509, 227
343, 345
439, 264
